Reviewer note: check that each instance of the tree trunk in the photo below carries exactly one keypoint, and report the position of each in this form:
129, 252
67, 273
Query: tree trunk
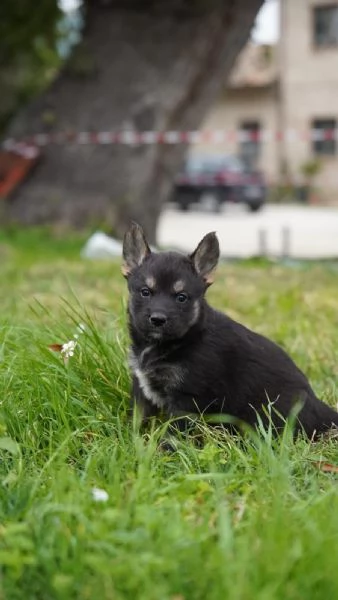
140, 70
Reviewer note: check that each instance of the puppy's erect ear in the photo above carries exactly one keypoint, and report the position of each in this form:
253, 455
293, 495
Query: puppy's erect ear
135, 248
205, 257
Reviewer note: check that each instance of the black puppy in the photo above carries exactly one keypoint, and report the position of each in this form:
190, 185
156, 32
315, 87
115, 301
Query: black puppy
188, 358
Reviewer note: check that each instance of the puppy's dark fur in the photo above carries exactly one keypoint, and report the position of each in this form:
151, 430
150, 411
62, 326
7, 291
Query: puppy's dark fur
188, 358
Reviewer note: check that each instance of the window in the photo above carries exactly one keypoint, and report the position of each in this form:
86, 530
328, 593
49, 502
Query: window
250, 144
325, 23
324, 136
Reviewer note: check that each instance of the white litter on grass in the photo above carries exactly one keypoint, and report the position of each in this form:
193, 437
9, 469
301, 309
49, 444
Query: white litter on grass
100, 495
101, 245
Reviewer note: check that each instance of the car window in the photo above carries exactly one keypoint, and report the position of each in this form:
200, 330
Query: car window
233, 164
193, 165
213, 164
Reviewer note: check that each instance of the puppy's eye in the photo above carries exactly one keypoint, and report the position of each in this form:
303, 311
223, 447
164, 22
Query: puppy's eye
181, 297
145, 292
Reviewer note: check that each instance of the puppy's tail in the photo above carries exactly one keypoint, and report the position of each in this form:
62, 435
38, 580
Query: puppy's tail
322, 419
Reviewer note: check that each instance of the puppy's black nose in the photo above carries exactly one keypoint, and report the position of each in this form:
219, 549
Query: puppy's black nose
158, 319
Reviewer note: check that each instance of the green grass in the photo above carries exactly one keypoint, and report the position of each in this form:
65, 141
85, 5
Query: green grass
243, 520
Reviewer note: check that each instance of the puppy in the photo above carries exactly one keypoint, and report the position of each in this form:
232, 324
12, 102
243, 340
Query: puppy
187, 358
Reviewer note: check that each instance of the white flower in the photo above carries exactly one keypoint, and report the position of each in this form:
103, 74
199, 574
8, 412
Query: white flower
100, 495
68, 348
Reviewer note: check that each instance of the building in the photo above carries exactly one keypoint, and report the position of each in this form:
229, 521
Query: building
280, 108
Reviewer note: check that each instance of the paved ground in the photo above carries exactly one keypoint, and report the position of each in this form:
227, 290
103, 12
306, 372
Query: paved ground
295, 231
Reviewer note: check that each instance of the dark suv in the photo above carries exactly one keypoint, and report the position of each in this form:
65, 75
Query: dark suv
227, 178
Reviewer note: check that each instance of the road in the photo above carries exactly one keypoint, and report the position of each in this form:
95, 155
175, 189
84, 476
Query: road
278, 230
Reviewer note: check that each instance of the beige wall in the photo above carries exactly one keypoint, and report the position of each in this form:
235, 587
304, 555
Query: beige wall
309, 86
245, 105
308, 90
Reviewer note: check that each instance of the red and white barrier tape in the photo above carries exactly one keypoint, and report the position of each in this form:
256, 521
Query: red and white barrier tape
27, 146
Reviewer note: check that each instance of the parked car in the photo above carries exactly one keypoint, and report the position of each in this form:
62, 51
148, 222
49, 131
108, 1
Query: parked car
227, 178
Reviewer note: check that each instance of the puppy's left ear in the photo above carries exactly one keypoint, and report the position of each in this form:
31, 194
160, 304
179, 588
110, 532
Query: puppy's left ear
135, 248
205, 257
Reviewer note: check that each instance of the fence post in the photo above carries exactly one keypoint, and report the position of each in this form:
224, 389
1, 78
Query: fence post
286, 242
262, 242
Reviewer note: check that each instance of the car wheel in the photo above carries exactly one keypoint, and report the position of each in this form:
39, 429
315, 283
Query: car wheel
184, 206
183, 200
255, 206
186, 199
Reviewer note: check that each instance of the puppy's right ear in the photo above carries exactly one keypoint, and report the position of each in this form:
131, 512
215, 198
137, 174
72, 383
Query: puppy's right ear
205, 257
135, 249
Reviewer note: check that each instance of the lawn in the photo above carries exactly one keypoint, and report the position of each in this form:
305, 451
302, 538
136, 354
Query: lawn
232, 519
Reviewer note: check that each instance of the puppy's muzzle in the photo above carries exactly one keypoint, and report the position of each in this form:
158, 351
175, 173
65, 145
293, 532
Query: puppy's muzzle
158, 319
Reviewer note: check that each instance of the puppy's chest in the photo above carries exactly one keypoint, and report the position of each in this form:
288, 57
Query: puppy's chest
157, 378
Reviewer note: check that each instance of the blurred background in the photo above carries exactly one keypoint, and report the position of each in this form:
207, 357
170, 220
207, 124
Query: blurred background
185, 116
